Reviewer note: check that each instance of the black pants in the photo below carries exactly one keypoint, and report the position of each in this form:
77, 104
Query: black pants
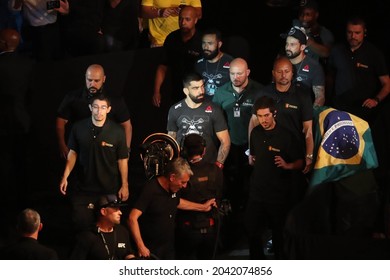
237, 175
83, 211
259, 217
195, 244
46, 43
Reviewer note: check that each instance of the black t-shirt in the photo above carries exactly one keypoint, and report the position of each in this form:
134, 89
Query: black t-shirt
157, 222
90, 245
206, 183
269, 182
27, 248
98, 154
180, 57
293, 108
75, 107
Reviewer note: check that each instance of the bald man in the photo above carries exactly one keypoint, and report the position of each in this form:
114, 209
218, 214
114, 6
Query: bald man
236, 98
15, 121
15, 73
9, 40
182, 48
74, 107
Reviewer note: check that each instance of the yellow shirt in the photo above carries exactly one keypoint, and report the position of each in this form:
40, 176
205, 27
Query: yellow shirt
160, 27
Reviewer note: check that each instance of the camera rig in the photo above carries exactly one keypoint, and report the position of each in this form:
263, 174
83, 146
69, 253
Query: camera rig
156, 151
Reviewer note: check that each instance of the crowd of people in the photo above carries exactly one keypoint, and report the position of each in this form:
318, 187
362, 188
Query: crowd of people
247, 144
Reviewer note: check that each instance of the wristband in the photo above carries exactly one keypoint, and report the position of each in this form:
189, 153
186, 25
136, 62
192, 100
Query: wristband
377, 99
220, 165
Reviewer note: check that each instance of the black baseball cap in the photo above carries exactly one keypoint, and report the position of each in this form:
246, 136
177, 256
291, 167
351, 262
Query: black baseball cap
312, 4
296, 32
110, 200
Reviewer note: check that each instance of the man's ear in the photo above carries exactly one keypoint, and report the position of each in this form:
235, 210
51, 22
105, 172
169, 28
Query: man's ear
40, 227
186, 91
90, 107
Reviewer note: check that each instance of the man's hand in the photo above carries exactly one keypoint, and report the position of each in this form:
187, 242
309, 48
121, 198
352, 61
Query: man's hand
209, 204
123, 193
64, 7
308, 166
157, 99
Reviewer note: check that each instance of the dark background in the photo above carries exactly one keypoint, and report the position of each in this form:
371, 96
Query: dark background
132, 75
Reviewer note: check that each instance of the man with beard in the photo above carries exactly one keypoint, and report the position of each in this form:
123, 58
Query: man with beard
358, 79
319, 38
308, 71
295, 113
181, 50
74, 107
194, 114
214, 66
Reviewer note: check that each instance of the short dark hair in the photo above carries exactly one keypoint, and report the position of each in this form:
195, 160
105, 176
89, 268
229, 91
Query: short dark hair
214, 31
191, 77
193, 145
265, 102
100, 96
357, 20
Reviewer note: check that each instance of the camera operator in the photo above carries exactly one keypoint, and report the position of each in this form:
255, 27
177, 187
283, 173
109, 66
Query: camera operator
197, 232
152, 219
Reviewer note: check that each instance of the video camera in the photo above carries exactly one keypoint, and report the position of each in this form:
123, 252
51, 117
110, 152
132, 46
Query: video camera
156, 151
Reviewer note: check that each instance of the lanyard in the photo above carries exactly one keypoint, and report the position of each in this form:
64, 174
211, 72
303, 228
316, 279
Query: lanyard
110, 256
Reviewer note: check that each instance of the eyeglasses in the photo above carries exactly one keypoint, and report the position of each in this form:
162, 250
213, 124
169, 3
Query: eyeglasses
97, 107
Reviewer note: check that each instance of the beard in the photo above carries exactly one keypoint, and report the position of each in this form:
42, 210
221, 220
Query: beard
211, 55
197, 99
291, 55
92, 90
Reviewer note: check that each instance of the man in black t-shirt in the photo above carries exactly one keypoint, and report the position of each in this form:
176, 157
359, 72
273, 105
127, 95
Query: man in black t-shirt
182, 48
108, 239
74, 107
98, 146
27, 246
275, 154
152, 219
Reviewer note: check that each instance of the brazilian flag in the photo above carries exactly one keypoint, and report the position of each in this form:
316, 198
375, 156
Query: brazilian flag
343, 145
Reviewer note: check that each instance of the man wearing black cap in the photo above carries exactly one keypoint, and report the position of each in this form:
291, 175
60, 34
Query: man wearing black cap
109, 240
307, 70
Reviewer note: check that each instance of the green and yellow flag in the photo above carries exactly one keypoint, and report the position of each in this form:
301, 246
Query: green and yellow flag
343, 143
